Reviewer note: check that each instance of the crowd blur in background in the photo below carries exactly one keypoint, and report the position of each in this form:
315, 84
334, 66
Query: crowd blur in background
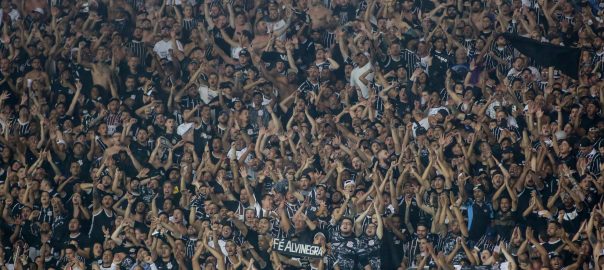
191, 134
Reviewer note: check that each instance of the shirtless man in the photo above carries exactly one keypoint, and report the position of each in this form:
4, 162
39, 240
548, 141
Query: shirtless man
37, 74
100, 68
318, 13
477, 15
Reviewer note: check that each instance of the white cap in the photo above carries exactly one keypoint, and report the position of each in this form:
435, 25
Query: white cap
39, 10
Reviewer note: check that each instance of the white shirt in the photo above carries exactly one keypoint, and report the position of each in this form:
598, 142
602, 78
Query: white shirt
423, 123
355, 79
162, 48
235, 52
276, 27
206, 94
13, 14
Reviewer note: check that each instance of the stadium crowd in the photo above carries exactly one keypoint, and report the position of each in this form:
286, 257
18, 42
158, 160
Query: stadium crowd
192, 134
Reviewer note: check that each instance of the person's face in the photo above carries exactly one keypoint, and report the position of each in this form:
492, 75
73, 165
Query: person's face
362, 60
44, 198
346, 226
243, 196
74, 169
97, 250
591, 109
438, 183
505, 205
564, 147
231, 248
395, 50
518, 63
375, 148
69, 254
107, 201
36, 64
107, 256
371, 229
4, 64
130, 83
5, 5
423, 245
140, 207
244, 115
74, 225
263, 226
475, 6
167, 188
484, 256
166, 251
205, 111
249, 215
313, 72
226, 231
592, 134
320, 55
273, 12
556, 263
478, 195
467, 31
267, 202
422, 232
552, 229
486, 22
585, 182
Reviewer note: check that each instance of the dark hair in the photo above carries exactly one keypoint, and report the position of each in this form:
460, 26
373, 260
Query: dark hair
70, 246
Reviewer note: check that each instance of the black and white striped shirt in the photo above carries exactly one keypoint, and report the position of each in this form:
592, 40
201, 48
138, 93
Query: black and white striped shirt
188, 24
113, 120
328, 39
598, 59
410, 60
468, 43
190, 244
188, 103
309, 86
20, 128
506, 53
379, 103
139, 49
102, 145
594, 164
498, 131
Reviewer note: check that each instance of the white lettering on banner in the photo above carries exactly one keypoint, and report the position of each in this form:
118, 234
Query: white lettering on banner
296, 249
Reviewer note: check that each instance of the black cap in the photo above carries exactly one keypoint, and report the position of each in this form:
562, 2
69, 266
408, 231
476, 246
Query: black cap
554, 255
225, 85
420, 131
443, 112
244, 52
585, 142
